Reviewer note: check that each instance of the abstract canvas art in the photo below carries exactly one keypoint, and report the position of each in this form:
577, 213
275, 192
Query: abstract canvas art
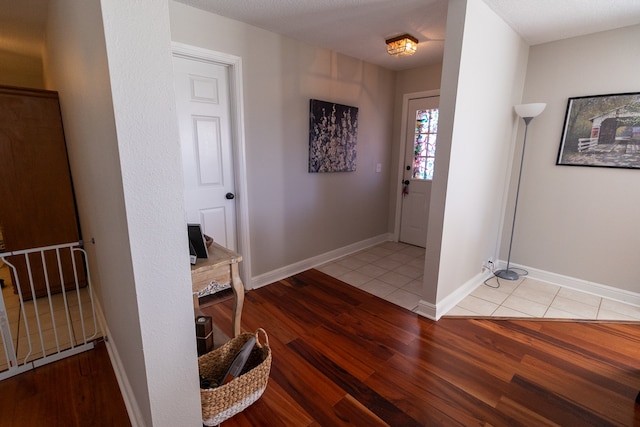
333, 133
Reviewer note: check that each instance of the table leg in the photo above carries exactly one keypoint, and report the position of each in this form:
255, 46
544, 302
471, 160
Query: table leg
196, 306
238, 293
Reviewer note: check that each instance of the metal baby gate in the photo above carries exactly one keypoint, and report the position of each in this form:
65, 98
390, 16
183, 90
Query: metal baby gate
49, 313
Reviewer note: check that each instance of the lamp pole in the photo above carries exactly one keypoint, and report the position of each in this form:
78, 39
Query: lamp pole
527, 112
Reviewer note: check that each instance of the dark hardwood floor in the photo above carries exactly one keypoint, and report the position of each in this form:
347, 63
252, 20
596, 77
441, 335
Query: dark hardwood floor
79, 391
344, 357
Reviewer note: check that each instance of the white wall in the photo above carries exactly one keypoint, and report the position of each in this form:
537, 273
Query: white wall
116, 94
579, 222
295, 215
483, 74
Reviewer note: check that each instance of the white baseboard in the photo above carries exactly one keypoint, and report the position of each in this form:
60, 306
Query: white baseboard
300, 266
428, 310
434, 312
593, 288
130, 402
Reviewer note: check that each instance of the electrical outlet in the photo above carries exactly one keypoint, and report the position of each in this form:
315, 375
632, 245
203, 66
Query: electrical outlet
488, 265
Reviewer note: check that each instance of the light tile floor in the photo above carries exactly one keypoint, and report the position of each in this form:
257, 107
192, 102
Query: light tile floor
393, 271
390, 270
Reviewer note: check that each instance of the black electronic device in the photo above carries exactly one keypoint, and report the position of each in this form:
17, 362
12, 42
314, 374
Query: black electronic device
239, 361
197, 241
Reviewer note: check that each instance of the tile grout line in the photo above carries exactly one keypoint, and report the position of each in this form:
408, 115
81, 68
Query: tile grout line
599, 308
406, 255
551, 303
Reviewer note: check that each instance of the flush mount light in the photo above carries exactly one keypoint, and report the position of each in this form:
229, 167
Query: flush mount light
403, 45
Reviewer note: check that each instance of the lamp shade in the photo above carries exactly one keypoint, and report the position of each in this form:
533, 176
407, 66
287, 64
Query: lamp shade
530, 110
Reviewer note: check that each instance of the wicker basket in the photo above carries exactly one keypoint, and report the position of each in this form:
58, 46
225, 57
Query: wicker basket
221, 403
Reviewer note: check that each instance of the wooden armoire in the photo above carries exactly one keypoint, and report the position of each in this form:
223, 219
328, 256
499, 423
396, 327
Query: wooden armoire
37, 206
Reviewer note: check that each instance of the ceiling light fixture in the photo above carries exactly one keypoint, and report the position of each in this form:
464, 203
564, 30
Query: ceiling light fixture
403, 45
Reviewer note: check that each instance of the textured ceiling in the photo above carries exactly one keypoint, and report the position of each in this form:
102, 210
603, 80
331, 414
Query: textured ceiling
354, 27
541, 21
359, 27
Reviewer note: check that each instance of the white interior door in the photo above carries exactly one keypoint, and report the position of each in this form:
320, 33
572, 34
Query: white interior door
421, 133
204, 116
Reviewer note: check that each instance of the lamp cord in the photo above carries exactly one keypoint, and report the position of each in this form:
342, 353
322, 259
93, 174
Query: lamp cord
521, 273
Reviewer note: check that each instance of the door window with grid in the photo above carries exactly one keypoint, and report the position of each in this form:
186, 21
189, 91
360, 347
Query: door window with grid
424, 144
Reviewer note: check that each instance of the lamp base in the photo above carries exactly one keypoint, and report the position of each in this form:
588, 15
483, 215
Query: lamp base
507, 274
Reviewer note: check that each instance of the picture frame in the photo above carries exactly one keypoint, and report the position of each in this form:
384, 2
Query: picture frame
197, 243
333, 135
601, 131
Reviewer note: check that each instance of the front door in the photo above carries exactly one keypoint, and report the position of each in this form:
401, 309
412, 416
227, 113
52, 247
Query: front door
421, 131
204, 116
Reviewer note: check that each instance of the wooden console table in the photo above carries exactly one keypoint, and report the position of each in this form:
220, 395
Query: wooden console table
222, 268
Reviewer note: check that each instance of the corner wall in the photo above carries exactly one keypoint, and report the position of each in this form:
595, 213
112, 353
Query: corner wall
111, 64
579, 222
480, 85
21, 70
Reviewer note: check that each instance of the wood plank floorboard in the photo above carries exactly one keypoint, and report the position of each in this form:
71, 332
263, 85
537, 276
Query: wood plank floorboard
343, 357
78, 391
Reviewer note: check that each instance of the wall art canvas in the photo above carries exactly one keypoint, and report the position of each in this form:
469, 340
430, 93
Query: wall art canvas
603, 131
333, 133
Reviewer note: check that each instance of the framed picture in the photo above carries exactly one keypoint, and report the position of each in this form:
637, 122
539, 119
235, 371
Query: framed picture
603, 131
333, 133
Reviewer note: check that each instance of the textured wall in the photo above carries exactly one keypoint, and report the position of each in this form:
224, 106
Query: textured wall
112, 67
479, 88
295, 215
578, 221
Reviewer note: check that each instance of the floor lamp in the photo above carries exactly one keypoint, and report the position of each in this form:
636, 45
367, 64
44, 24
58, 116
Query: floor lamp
527, 112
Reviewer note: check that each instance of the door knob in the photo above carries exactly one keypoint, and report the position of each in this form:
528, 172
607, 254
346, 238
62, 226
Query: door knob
406, 182
230, 196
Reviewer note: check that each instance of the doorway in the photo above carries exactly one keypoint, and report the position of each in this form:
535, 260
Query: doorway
202, 105
417, 159
46, 304
209, 105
